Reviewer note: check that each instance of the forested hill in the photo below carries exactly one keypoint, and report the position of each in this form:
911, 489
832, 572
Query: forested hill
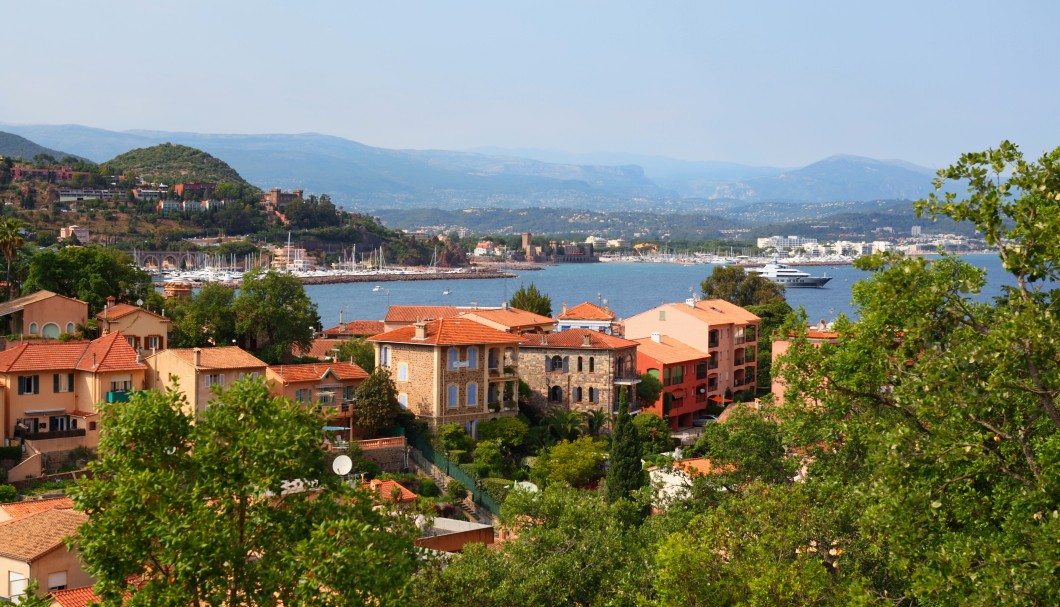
172, 163
18, 147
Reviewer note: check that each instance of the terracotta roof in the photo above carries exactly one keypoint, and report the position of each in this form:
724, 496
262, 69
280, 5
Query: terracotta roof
74, 597
668, 350
224, 357
320, 348
123, 309
511, 317
587, 311
27, 538
357, 328
576, 338
385, 490
108, 353
15, 510
449, 332
418, 313
719, 311
316, 371
700, 466
21, 302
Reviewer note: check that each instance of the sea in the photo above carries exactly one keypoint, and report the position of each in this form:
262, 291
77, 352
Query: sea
627, 288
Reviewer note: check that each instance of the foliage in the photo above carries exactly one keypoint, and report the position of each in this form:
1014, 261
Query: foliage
456, 491
213, 523
626, 472
648, 390
312, 213
578, 463
172, 163
530, 299
377, 406
509, 432
359, 351
273, 313
8, 493
91, 273
489, 458
454, 438
11, 240
205, 319
497, 488
563, 424
773, 315
747, 447
654, 432
32, 598
737, 286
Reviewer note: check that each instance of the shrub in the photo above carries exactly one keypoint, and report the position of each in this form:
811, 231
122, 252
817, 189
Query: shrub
8, 493
456, 491
428, 488
497, 488
12, 453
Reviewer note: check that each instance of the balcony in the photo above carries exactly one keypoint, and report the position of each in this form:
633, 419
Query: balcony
118, 396
507, 372
49, 435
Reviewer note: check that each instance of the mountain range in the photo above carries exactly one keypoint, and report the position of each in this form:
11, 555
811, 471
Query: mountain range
362, 177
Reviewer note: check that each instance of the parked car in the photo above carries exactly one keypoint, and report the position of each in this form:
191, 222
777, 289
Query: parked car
703, 421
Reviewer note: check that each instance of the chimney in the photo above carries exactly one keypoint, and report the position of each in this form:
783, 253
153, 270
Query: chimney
656, 337
421, 330
564, 311
198, 356
111, 301
504, 305
587, 339
691, 302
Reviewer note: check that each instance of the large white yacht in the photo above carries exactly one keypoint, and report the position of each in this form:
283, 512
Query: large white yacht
788, 276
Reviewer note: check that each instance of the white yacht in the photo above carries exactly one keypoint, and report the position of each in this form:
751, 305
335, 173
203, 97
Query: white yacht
788, 276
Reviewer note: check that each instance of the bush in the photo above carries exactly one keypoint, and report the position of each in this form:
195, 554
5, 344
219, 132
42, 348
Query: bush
456, 491
428, 488
12, 453
459, 456
497, 488
8, 493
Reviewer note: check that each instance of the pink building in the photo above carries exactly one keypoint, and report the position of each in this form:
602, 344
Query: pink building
43, 314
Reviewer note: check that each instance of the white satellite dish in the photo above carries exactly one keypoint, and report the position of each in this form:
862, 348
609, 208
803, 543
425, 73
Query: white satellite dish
342, 465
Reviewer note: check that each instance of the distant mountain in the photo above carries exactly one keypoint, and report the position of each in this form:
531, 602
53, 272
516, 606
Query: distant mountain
171, 163
16, 146
367, 178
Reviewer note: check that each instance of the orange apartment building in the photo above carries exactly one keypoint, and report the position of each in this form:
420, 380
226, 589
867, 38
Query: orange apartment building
197, 370
724, 331
43, 314
452, 370
331, 385
685, 374
32, 548
144, 330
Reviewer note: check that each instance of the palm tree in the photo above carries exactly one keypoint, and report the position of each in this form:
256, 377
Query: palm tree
595, 420
11, 241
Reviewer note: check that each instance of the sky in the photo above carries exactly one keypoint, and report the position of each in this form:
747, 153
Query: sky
769, 82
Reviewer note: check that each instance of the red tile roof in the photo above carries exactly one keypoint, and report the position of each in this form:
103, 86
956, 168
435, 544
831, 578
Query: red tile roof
669, 350
74, 597
224, 357
387, 489
320, 348
356, 328
27, 538
20, 303
576, 338
513, 318
25, 508
587, 311
700, 466
123, 309
449, 332
289, 374
418, 313
108, 353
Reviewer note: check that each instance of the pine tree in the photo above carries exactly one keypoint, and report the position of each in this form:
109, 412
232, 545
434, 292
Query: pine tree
626, 473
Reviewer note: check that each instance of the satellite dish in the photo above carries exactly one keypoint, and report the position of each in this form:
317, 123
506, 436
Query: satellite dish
342, 465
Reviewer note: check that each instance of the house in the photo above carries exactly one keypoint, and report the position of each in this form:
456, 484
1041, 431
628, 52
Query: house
404, 316
724, 330
330, 385
452, 370
391, 491
74, 597
689, 378
12, 510
354, 328
50, 392
167, 206
512, 320
578, 369
32, 548
76, 232
44, 314
197, 189
816, 335
589, 316
674, 482
144, 329
321, 348
197, 370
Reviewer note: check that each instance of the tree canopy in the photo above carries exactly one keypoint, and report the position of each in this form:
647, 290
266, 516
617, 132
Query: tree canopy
273, 313
233, 508
625, 474
91, 273
376, 407
737, 286
529, 298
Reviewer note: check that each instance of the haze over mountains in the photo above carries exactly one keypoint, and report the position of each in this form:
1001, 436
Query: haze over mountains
362, 177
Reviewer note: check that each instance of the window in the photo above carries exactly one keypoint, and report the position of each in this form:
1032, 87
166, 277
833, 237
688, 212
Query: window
472, 357
678, 375
121, 385
454, 358
578, 394
594, 395
555, 394
57, 581
215, 379
556, 363
592, 364
154, 342
326, 397
347, 392
62, 382
70, 327
452, 394
403, 372
16, 584
701, 370
29, 384
403, 400
92, 426
384, 356
662, 314
579, 365
472, 395
303, 395
32, 328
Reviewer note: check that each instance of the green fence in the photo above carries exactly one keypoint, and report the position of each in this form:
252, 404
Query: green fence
478, 494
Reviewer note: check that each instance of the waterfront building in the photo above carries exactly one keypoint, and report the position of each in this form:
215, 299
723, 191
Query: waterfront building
685, 374
588, 315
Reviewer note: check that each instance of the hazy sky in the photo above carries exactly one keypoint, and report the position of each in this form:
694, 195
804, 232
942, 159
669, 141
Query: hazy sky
781, 83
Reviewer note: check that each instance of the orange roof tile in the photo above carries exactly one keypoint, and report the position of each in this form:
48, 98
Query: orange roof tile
418, 313
21, 302
123, 309
27, 538
108, 353
289, 374
75, 597
576, 338
449, 332
721, 311
511, 317
386, 490
111, 352
223, 357
357, 328
587, 311
669, 350
320, 348
700, 466
25, 508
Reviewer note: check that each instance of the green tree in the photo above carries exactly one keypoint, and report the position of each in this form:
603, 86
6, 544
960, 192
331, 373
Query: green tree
8, 493
648, 390
11, 240
654, 432
529, 298
32, 596
578, 463
92, 274
737, 286
746, 448
273, 314
773, 314
232, 508
626, 473
488, 458
358, 351
206, 319
509, 432
376, 407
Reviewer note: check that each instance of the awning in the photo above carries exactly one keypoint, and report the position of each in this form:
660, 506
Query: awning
334, 428
678, 393
720, 399
44, 411
83, 414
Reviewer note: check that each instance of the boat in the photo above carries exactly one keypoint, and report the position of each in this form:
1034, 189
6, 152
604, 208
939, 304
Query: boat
788, 276
377, 288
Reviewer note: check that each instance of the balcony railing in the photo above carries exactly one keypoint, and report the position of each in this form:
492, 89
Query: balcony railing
56, 434
118, 396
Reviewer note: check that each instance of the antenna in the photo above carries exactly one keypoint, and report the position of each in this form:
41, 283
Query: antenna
342, 465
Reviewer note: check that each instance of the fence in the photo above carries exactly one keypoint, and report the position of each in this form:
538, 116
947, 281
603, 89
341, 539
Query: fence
478, 494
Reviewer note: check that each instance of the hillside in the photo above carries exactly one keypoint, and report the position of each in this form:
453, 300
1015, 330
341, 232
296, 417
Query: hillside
172, 163
16, 146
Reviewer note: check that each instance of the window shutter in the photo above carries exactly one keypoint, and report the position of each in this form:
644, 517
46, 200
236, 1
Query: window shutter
36, 384
566, 364
21, 384
70, 379
55, 382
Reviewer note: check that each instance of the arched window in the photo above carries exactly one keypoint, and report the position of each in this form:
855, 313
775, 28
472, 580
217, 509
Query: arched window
594, 395
50, 330
578, 394
454, 358
579, 364
472, 357
592, 364
555, 394
557, 363
70, 328
32, 328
